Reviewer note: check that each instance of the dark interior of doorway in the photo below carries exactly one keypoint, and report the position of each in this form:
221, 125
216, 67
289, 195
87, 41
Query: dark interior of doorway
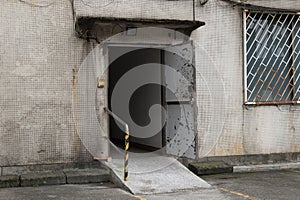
122, 60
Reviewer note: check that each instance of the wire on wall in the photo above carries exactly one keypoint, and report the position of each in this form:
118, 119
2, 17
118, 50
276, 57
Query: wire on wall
245, 4
100, 6
33, 4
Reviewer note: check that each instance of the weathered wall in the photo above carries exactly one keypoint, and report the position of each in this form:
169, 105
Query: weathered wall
225, 125
38, 53
278, 4
146, 9
239, 130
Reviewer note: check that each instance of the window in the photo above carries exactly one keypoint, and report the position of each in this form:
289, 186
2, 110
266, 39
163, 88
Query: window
272, 48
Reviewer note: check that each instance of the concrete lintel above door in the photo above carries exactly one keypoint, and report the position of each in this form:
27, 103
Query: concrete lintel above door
91, 28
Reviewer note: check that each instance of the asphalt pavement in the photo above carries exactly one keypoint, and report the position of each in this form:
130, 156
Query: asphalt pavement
283, 184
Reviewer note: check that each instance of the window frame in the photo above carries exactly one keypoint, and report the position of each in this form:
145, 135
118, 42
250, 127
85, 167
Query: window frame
294, 92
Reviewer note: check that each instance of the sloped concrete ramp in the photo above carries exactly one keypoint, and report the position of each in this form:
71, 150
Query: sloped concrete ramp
156, 174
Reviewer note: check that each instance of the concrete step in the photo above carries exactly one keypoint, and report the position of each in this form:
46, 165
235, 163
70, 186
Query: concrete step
9, 181
266, 167
86, 176
207, 168
42, 178
66, 176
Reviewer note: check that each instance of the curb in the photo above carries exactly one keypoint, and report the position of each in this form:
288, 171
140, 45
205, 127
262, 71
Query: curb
210, 168
68, 176
46, 178
9, 181
265, 167
87, 176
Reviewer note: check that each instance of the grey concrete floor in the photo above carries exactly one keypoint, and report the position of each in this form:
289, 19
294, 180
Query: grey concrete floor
105, 191
283, 184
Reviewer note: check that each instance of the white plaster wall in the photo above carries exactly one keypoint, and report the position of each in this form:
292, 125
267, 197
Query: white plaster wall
239, 130
139, 9
280, 4
38, 53
39, 50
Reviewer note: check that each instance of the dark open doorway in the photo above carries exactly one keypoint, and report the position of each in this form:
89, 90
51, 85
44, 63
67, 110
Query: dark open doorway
122, 60
173, 66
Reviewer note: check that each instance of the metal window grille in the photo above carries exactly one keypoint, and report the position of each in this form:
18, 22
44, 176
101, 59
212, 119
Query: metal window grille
272, 71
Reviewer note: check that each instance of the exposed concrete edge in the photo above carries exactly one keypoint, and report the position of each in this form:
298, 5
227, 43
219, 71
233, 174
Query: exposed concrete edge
261, 7
57, 177
211, 167
266, 167
115, 179
85, 25
249, 159
21, 169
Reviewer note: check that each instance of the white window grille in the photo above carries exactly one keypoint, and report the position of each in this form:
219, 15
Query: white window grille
272, 71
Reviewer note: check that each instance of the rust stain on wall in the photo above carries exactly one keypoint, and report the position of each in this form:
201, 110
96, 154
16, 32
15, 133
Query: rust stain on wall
76, 140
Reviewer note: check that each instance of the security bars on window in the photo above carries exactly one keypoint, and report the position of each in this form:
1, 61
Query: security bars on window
272, 71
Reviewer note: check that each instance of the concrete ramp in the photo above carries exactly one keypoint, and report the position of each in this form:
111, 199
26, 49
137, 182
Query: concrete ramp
156, 174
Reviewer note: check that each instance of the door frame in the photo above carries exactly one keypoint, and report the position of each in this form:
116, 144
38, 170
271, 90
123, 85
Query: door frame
163, 90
